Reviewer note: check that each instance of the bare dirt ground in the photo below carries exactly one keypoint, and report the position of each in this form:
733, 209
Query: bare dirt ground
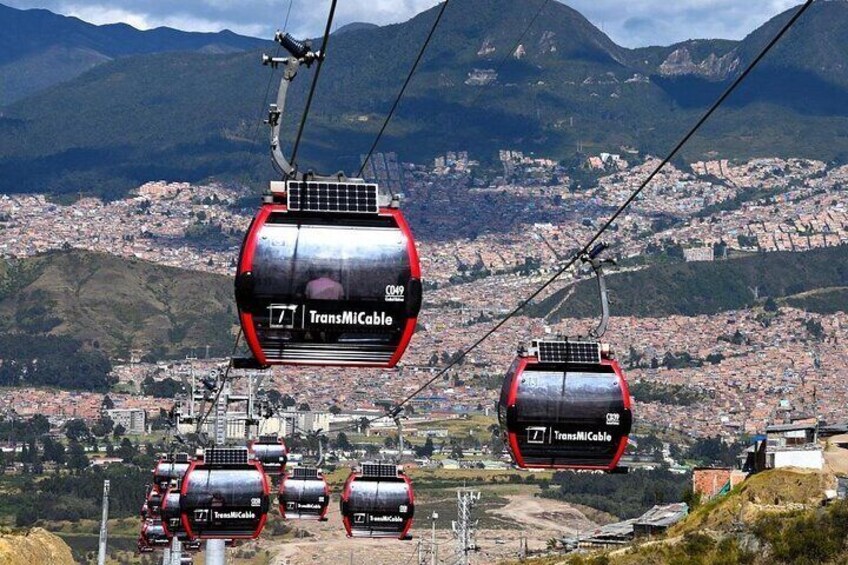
836, 455
538, 519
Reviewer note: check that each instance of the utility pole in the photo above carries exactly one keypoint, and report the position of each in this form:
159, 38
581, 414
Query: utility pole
101, 549
463, 527
434, 549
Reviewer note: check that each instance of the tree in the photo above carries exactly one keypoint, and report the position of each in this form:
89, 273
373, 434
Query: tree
770, 305
53, 450
304, 407
426, 450
118, 431
77, 459
76, 430
335, 410
102, 427
126, 450
456, 451
389, 442
107, 403
363, 425
342, 442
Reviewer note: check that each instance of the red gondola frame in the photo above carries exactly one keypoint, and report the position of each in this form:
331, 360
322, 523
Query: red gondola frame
245, 264
346, 492
512, 440
266, 489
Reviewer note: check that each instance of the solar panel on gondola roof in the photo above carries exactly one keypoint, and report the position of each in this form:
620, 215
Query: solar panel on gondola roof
304, 473
379, 470
584, 352
323, 196
226, 456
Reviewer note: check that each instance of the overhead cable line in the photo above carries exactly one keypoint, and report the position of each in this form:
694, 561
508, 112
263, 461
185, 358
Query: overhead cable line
314, 81
403, 88
620, 210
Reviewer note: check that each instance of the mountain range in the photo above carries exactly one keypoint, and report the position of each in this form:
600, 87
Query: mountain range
39, 49
182, 115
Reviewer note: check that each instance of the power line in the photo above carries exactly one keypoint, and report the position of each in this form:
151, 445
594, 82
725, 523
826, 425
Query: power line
314, 82
620, 210
403, 88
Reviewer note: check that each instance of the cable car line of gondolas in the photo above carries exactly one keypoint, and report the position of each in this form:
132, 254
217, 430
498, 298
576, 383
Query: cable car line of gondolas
328, 275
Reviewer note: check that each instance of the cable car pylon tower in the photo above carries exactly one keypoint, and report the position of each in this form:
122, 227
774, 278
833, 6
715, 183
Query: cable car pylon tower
463, 527
101, 548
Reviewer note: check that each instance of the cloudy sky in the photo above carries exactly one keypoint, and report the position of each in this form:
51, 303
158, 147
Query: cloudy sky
629, 23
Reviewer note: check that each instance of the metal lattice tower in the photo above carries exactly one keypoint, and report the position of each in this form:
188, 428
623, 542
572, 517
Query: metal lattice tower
463, 527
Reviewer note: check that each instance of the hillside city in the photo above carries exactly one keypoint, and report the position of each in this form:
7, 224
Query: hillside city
744, 372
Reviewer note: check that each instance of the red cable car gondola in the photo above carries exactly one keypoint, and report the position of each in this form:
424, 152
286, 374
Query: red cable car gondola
565, 405
153, 533
378, 502
304, 494
153, 504
170, 468
143, 547
224, 496
271, 452
328, 274
172, 515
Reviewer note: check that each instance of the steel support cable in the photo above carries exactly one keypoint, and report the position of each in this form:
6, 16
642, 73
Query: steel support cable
403, 88
314, 82
620, 210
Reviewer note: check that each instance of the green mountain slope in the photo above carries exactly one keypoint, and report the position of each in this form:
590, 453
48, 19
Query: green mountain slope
117, 305
189, 117
708, 288
39, 49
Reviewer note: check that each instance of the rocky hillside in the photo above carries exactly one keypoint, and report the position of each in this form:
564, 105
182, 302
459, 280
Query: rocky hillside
36, 546
773, 518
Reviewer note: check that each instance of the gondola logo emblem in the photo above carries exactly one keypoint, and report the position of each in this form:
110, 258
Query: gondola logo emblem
201, 515
613, 418
536, 434
282, 316
395, 293
359, 518
256, 502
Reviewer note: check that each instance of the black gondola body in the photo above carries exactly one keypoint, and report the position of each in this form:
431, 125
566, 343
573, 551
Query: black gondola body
378, 502
172, 515
153, 533
304, 494
327, 275
224, 496
171, 468
153, 505
143, 547
271, 452
565, 405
